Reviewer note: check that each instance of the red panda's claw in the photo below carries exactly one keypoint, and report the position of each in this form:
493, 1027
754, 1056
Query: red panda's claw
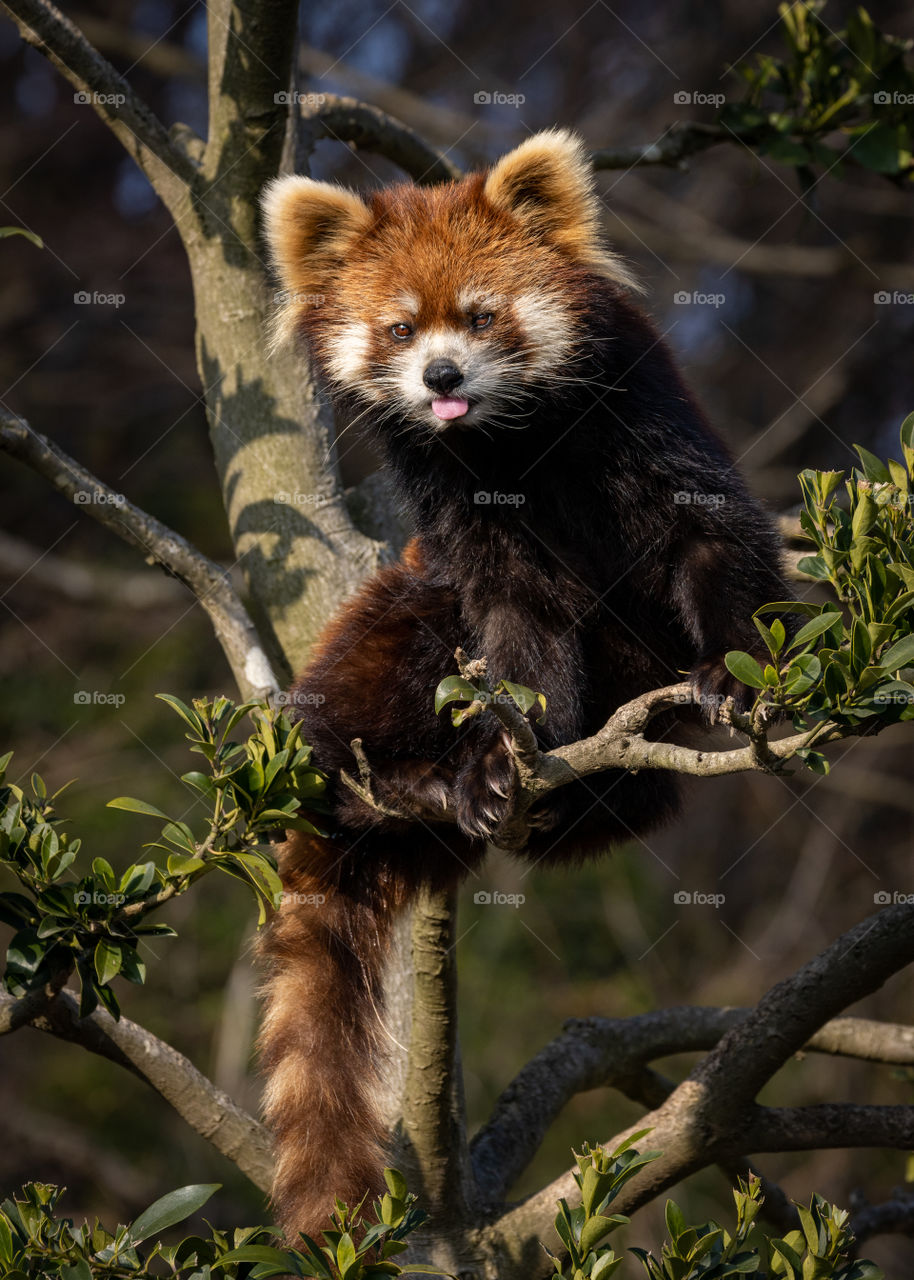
485, 790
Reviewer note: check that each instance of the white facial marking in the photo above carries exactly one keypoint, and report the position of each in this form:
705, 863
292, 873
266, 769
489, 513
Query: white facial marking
545, 322
348, 354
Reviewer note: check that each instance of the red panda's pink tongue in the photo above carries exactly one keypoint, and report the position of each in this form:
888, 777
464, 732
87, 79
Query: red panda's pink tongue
449, 407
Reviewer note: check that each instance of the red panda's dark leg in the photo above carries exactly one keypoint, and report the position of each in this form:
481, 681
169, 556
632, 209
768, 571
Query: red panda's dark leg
374, 677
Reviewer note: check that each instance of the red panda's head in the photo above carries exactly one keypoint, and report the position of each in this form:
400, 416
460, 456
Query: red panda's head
449, 303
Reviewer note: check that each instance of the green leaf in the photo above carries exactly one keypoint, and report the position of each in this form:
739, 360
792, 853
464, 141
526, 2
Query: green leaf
345, 1252
813, 629
745, 668
525, 698
396, 1183
802, 674
813, 567
78, 1271
675, 1220
255, 1253
178, 865
595, 1229
201, 782
184, 711
873, 468
22, 231
136, 806
901, 654
107, 960
453, 689
879, 148
790, 606
171, 1208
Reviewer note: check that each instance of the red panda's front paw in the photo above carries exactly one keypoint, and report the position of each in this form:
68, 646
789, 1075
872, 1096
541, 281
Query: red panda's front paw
485, 789
712, 684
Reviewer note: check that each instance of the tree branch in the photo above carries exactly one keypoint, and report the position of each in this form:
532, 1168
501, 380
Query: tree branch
895, 1215
434, 1145
614, 1052
207, 1110
373, 130
826, 1126
165, 163
157, 543
620, 744
672, 148
709, 1117
251, 51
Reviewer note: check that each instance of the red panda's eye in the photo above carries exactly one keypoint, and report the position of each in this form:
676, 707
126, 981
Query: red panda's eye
401, 330
482, 321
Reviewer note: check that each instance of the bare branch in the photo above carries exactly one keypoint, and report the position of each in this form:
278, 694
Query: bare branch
167, 165
158, 544
892, 1216
826, 1126
710, 1116
348, 120
207, 1110
672, 148
614, 1052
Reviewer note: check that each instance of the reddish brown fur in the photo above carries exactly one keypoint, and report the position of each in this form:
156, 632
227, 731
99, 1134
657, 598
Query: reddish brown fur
319, 1042
547, 591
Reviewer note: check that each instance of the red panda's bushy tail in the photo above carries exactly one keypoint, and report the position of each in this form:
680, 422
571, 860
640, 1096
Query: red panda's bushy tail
321, 1041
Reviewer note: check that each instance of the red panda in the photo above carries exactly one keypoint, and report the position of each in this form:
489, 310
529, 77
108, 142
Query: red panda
577, 523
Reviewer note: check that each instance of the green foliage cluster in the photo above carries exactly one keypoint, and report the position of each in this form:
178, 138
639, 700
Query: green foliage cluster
479, 695
846, 665
838, 97
93, 921
818, 1251
36, 1245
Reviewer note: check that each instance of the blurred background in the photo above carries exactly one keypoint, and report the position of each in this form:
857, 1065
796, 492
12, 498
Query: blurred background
795, 361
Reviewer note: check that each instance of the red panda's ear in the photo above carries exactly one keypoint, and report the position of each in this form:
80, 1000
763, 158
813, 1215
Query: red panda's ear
547, 184
310, 227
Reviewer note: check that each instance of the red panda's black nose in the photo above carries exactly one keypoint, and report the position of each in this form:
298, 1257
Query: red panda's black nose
442, 376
